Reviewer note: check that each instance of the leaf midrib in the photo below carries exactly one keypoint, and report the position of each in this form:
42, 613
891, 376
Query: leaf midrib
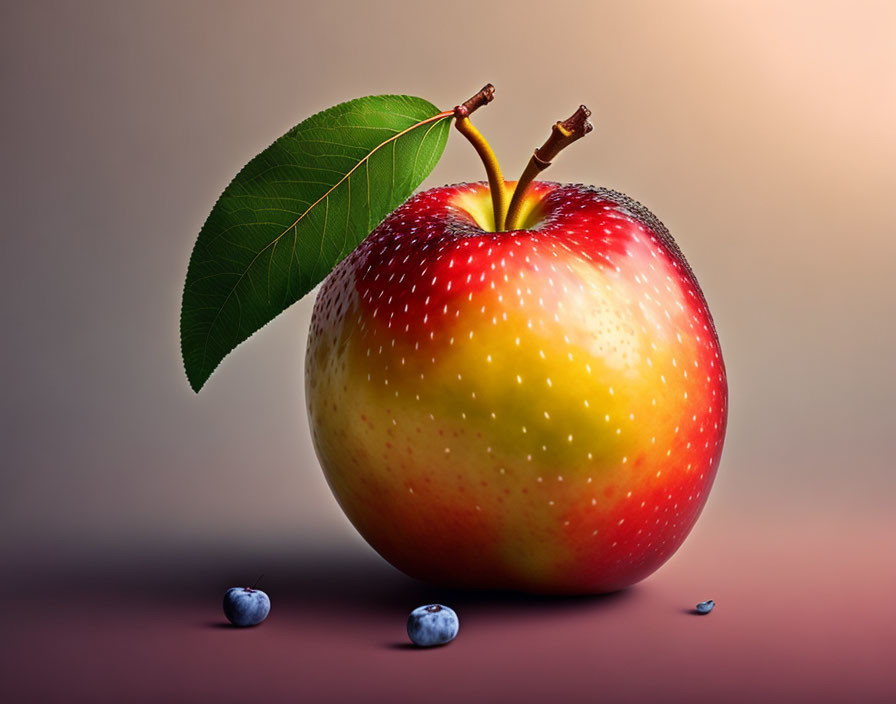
364, 159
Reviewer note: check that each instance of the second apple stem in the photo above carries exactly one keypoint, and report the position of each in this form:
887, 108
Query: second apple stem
562, 135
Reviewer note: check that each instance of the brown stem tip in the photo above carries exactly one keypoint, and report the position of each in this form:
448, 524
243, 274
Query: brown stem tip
483, 97
563, 134
578, 123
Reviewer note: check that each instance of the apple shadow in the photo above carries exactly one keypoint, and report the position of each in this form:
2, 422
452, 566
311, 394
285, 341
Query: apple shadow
338, 579
362, 581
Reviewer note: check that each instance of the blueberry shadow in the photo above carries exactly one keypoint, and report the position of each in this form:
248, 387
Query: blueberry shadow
694, 612
406, 646
227, 626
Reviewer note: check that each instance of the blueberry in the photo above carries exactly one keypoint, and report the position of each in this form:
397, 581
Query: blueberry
246, 606
432, 625
704, 607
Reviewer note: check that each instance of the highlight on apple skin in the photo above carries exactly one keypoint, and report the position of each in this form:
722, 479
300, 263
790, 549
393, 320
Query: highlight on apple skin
541, 409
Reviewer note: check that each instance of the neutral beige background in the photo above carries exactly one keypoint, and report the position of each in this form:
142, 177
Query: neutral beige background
761, 133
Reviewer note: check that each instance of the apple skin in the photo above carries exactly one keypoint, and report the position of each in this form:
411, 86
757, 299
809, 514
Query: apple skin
541, 410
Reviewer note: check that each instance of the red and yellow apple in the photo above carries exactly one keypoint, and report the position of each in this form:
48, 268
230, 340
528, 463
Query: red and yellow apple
542, 409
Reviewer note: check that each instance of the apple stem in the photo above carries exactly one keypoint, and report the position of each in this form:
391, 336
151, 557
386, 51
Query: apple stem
562, 135
257, 581
490, 161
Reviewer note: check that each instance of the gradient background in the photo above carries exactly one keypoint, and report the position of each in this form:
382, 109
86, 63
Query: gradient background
761, 133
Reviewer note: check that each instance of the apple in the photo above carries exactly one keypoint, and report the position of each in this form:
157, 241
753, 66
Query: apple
541, 408
512, 385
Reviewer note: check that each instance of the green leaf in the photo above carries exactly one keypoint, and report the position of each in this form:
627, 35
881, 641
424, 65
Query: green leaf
295, 211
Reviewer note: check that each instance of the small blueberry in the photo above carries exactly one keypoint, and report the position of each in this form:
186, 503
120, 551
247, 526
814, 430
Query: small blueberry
704, 607
246, 606
432, 625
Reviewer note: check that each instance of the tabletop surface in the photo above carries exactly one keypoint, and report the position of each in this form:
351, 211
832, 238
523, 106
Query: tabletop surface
804, 613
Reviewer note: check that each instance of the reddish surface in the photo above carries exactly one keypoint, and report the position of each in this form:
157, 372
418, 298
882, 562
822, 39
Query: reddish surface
804, 614
541, 410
